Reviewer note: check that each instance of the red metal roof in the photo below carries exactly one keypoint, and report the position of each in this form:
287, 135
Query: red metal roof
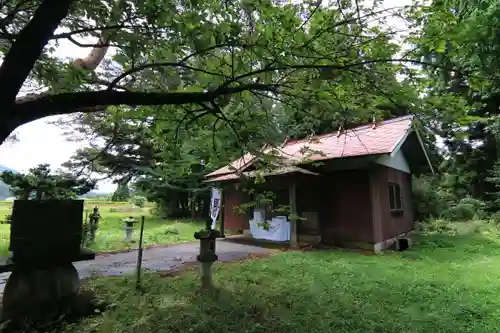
381, 138
238, 165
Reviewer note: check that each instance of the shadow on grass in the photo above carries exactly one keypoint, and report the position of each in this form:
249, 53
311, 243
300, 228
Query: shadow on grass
454, 247
305, 292
244, 240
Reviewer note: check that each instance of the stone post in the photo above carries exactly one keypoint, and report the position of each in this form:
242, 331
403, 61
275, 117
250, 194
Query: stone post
207, 255
129, 227
94, 223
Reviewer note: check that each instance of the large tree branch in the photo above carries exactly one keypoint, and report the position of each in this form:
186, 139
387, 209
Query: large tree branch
94, 30
347, 66
28, 47
159, 64
65, 103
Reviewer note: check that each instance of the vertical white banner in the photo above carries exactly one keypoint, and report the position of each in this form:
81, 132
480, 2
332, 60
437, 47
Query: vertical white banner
215, 205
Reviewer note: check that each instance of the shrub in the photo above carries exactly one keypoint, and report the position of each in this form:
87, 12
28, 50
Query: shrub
477, 205
439, 226
171, 231
139, 201
466, 209
460, 212
157, 211
7, 220
495, 217
430, 199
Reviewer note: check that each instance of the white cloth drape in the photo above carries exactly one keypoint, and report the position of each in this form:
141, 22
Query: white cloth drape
279, 229
215, 204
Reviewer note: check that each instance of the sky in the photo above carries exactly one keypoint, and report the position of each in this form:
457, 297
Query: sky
41, 142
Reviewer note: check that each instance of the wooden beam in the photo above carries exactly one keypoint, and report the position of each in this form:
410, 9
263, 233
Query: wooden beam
294, 241
221, 213
376, 174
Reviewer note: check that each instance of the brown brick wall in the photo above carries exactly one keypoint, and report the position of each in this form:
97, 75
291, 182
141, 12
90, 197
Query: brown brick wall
346, 213
386, 224
232, 198
352, 205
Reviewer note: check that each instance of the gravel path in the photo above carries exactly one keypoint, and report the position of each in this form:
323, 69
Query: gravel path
160, 259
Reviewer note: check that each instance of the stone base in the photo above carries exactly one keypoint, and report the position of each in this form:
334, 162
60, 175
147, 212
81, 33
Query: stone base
309, 239
377, 247
54, 319
29, 290
380, 246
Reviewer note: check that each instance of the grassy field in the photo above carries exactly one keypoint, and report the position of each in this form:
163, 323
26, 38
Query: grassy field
110, 236
446, 283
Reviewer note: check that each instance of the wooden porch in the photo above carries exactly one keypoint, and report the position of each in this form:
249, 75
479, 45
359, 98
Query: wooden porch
246, 239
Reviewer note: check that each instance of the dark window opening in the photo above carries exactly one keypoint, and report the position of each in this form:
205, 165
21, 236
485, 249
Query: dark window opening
402, 244
395, 199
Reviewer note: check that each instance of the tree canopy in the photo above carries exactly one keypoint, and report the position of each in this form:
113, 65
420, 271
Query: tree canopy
174, 88
297, 69
41, 184
203, 55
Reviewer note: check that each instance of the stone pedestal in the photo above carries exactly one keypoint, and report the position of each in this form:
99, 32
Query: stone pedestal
45, 240
29, 290
129, 227
93, 229
94, 223
128, 233
32, 286
206, 275
207, 255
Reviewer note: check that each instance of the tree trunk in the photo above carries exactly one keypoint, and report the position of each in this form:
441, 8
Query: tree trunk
27, 48
192, 204
206, 206
185, 204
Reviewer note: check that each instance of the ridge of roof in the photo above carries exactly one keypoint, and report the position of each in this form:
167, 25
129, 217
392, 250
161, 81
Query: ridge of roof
357, 128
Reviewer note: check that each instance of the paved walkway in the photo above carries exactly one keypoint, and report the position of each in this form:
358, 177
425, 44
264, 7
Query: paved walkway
159, 259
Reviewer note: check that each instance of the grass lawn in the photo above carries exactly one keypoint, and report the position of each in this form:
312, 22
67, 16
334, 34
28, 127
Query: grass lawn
110, 235
443, 284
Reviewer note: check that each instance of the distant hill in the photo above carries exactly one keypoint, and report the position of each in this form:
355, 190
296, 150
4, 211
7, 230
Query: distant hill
4, 189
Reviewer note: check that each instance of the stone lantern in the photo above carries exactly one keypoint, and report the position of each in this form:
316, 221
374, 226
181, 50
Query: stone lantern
207, 254
129, 227
94, 222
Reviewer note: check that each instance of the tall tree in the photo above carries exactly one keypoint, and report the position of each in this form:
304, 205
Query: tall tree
163, 146
456, 38
122, 193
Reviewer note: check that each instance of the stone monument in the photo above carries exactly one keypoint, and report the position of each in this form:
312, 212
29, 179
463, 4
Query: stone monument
45, 240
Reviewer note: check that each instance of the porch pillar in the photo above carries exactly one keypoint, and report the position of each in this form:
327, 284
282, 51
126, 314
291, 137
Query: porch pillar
221, 213
293, 210
377, 180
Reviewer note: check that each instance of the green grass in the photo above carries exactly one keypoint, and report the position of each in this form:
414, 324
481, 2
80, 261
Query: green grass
446, 283
110, 236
